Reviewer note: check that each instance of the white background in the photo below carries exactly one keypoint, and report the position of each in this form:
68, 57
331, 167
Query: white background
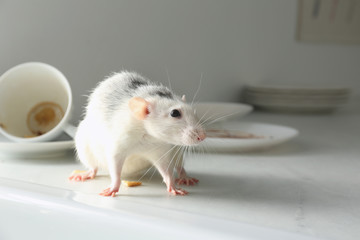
230, 42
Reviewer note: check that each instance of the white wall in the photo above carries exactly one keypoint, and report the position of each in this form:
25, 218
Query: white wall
231, 42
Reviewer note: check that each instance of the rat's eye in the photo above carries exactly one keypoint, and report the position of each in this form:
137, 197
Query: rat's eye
175, 113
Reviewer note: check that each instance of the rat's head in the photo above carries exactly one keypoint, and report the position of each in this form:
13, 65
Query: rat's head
169, 120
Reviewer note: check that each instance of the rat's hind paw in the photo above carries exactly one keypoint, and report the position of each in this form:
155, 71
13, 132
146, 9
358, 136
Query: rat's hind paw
188, 181
109, 192
78, 175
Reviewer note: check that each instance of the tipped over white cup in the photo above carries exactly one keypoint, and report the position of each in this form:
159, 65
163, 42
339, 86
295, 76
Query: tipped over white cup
35, 103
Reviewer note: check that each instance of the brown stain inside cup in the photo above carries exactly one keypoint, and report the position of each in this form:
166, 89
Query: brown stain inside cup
34, 135
43, 117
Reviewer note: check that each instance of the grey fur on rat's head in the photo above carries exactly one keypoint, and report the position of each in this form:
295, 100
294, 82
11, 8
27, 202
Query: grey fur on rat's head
173, 121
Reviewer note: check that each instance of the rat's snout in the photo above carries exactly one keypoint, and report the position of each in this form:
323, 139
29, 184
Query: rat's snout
193, 135
201, 135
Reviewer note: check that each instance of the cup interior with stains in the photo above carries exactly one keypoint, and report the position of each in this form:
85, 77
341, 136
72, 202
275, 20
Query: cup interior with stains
35, 103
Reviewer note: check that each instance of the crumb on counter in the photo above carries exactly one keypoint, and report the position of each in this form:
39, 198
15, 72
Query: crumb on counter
131, 183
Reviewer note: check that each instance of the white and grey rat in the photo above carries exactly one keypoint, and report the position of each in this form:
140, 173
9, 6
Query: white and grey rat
129, 116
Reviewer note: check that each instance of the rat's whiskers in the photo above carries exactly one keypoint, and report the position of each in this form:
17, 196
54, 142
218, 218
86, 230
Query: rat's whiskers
159, 159
198, 89
221, 117
168, 78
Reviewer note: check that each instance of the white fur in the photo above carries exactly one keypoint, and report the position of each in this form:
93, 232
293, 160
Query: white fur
111, 134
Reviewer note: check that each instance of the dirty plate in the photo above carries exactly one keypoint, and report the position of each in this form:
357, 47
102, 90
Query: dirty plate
245, 136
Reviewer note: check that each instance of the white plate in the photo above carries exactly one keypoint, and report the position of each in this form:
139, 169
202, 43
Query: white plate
220, 111
36, 150
269, 136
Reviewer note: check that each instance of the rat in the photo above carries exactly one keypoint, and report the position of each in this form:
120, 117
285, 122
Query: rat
127, 117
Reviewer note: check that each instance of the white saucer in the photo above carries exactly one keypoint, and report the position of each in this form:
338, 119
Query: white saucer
52, 149
269, 135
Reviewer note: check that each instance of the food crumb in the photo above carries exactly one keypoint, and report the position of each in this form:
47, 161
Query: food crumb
2, 126
132, 183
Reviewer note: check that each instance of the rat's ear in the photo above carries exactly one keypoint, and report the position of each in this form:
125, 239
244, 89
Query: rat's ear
139, 107
183, 98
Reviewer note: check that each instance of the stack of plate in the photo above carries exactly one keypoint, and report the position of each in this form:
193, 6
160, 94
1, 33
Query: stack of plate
296, 99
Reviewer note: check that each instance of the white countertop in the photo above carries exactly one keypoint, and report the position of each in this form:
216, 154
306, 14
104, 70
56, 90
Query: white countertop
310, 185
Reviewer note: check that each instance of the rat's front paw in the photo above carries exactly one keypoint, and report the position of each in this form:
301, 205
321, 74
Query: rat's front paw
109, 192
177, 191
189, 181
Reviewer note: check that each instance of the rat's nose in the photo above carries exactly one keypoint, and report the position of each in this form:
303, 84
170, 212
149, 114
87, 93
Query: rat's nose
201, 136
